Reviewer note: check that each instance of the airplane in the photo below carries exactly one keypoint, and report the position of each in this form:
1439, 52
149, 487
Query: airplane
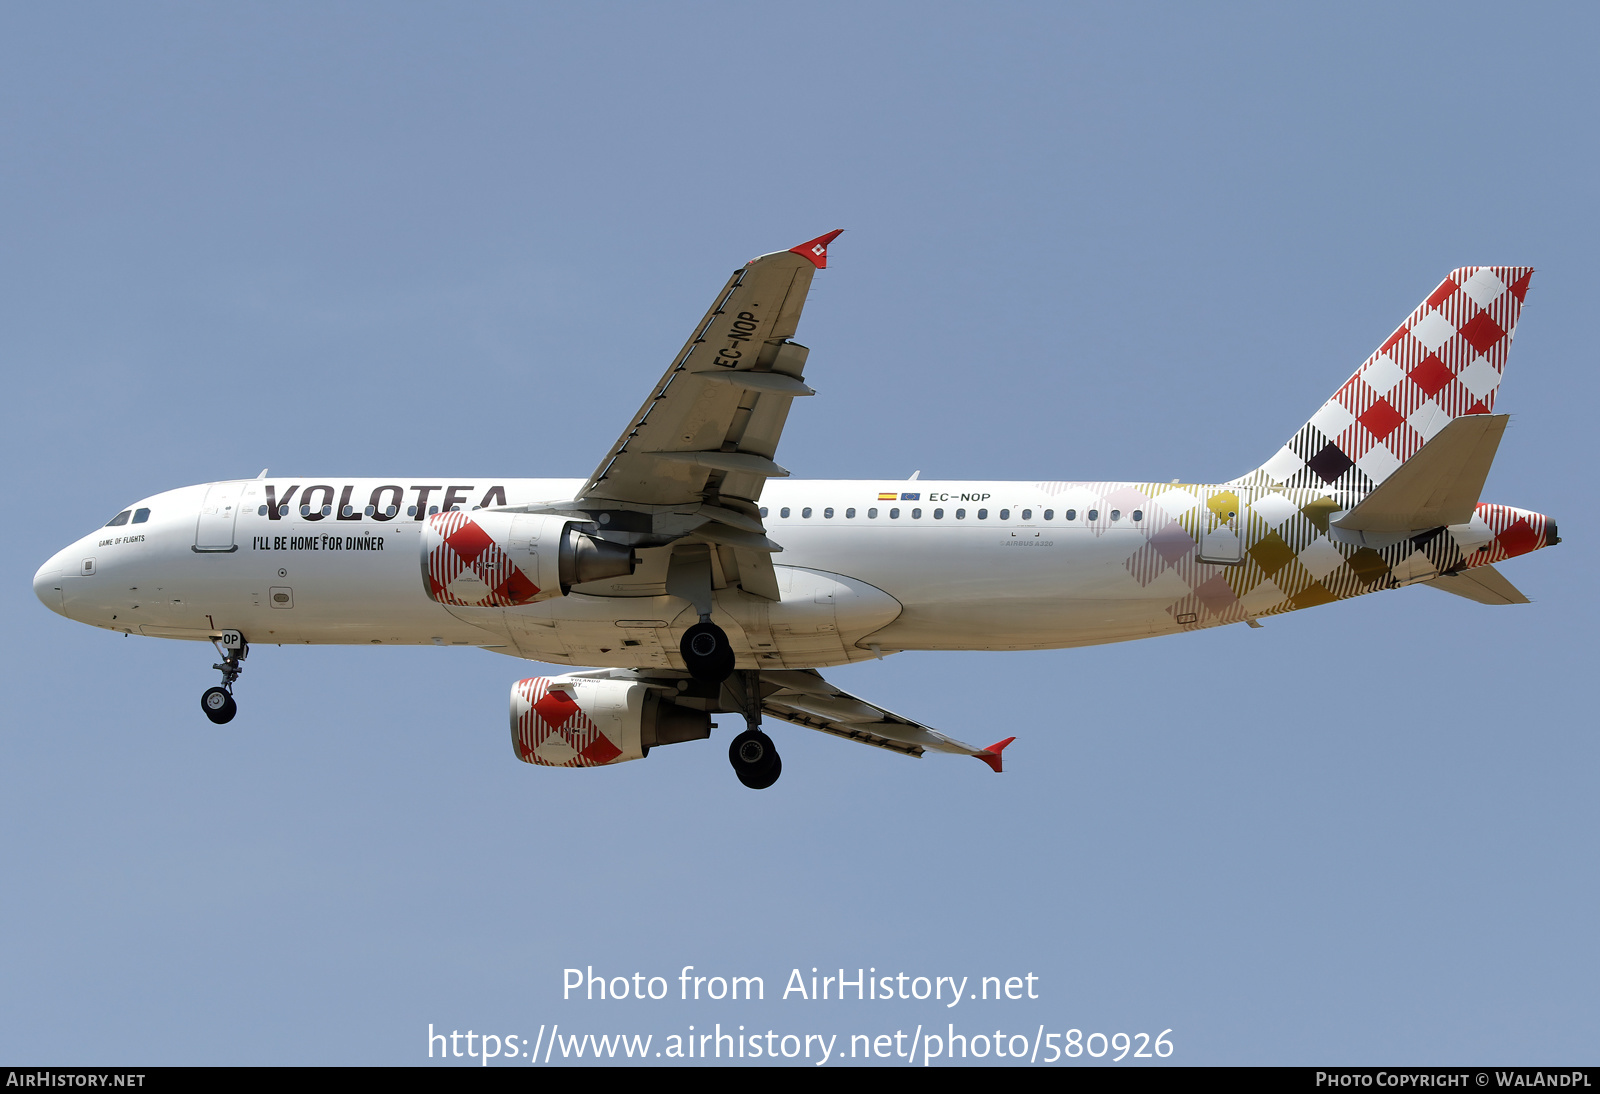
696, 579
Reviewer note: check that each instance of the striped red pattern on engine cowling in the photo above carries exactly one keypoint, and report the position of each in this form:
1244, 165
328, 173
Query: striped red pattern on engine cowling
555, 732
465, 549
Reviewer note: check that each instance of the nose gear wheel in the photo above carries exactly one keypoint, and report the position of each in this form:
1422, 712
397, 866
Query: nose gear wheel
218, 705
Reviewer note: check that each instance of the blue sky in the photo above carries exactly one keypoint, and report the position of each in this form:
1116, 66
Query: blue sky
1091, 242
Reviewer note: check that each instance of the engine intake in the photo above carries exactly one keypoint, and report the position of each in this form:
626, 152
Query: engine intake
501, 560
565, 721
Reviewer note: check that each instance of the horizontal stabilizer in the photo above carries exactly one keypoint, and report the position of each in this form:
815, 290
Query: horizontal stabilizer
1484, 584
1437, 487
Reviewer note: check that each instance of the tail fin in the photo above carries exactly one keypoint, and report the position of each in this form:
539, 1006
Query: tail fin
1445, 361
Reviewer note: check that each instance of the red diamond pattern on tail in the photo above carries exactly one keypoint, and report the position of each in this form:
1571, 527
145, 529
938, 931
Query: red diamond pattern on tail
1467, 321
1518, 539
1381, 419
1482, 332
1431, 375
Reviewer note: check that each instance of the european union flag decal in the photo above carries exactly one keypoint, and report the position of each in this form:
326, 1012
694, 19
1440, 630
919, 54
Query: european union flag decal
910, 497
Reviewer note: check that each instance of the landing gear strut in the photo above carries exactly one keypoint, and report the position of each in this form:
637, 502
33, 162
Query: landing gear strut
753, 756
217, 703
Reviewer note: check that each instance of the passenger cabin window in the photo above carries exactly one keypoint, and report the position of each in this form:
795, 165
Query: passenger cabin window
872, 514
983, 514
1071, 514
1116, 514
1049, 514
1005, 514
938, 514
850, 513
1027, 514
1138, 515
1094, 514
806, 512
961, 514
262, 511
411, 511
784, 512
763, 512
120, 519
827, 514
894, 514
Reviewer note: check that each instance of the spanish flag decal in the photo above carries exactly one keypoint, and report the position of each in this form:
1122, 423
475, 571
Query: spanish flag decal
889, 495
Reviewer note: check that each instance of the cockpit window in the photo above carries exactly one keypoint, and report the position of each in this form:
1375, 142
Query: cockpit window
141, 515
120, 519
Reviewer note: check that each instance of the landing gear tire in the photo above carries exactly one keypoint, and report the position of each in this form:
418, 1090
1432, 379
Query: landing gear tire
755, 760
707, 653
218, 705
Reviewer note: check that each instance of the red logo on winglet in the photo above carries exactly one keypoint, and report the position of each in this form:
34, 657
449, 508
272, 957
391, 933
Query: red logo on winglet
815, 251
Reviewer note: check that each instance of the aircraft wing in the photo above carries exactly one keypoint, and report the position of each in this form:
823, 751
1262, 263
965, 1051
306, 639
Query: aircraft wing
804, 698
1484, 584
694, 459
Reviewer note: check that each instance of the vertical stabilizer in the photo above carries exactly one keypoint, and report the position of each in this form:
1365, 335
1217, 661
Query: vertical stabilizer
1445, 361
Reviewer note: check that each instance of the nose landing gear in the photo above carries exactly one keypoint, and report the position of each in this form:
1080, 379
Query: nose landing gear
217, 703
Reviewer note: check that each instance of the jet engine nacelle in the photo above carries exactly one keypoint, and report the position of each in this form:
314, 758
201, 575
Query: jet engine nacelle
565, 721
485, 559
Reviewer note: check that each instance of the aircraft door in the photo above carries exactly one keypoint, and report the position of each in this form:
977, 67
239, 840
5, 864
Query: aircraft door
1222, 529
214, 530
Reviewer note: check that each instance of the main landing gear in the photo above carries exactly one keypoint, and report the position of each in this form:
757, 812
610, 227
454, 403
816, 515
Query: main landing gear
217, 703
753, 756
707, 653
755, 760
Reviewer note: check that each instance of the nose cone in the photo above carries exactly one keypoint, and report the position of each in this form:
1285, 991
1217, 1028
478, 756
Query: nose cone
47, 585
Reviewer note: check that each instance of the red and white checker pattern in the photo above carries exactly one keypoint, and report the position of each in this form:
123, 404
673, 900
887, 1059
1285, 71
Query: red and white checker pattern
467, 567
1445, 361
552, 730
1516, 532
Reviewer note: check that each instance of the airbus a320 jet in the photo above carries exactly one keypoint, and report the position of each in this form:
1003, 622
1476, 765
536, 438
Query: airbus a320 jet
703, 581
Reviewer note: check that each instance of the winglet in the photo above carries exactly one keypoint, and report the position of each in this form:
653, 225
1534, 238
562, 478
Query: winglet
991, 755
815, 251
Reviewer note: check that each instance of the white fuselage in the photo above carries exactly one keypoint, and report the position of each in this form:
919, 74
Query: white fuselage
959, 565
